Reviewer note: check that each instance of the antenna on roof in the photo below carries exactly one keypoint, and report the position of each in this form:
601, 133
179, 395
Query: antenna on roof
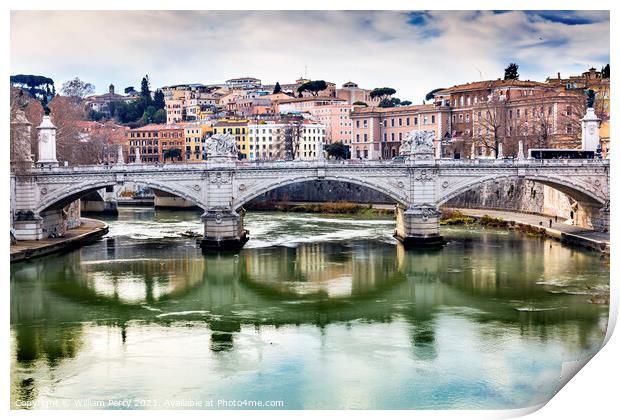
479, 73
305, 72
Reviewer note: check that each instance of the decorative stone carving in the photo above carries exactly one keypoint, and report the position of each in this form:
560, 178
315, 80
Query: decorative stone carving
418, 144
222, 146
218, 179
196, 187
423, 175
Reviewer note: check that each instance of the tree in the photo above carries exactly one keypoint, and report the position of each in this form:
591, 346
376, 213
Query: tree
405, 103
145, 88
95, 116
492, 124
382, 93
129, 89
38, 86
290, 138
172, 153
360, 103
159, 117
389, 103
313, 86
431, 95
338, 151
158, 100
511, 72
76, 88
605, 72
277, 88
149, 113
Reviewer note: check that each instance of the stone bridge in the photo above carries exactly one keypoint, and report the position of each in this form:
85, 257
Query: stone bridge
418, 184
221, 188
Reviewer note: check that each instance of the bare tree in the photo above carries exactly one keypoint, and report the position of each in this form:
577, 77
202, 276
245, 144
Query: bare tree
292, 134
72, 143
76, 88
492, 123
542, 120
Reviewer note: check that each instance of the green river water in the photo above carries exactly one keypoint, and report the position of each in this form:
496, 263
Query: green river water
316, 311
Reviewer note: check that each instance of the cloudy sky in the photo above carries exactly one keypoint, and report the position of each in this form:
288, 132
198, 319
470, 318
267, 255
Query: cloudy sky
413, 52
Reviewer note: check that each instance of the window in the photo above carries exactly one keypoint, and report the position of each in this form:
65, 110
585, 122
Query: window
400, 122
460, 117
467, 117
407, 120
569, 128
569, 111
392, 122
432, 119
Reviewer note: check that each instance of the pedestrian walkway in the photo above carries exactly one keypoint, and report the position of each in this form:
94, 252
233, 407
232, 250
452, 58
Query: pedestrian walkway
559, 229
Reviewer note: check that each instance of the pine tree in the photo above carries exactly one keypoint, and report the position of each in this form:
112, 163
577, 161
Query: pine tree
145, 88
277, 88
511, 72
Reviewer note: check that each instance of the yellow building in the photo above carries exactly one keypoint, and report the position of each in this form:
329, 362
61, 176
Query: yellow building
237, 128
196, 135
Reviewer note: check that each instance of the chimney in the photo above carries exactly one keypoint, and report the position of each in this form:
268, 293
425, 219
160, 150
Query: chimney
559, 75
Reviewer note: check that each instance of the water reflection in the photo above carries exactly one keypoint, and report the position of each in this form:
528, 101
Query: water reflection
485, 292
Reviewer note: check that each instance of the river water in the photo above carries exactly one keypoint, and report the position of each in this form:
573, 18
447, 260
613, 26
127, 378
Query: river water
315, 312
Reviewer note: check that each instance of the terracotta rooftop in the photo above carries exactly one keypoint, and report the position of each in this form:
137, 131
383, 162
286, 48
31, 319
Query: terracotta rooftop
157, 127
408, 108
311, 99
490, 84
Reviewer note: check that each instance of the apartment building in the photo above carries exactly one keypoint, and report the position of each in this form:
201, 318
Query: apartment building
377, 133
508, 111
156, 143
276, 139
337, 121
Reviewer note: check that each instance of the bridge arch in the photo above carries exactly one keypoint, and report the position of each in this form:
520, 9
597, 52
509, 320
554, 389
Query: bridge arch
587, 195
270, 186
60, 198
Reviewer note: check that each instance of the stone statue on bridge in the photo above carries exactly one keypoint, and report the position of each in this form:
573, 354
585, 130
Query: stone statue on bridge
222, 146
418, 144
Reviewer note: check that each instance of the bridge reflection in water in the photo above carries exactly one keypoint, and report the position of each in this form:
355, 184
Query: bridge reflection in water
128, 287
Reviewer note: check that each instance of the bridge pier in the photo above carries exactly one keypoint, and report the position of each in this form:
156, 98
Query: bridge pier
223, 230
418, 226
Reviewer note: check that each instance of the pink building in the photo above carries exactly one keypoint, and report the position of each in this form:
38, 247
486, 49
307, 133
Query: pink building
378, 132
337, 121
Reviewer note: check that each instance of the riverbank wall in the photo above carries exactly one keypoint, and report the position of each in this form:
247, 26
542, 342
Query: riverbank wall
536, 224
88, 232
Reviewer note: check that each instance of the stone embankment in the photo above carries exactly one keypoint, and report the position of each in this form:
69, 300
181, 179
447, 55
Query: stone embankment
89, 231
567, 233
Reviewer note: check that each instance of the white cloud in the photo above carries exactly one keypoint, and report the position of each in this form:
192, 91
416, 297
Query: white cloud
371, 48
